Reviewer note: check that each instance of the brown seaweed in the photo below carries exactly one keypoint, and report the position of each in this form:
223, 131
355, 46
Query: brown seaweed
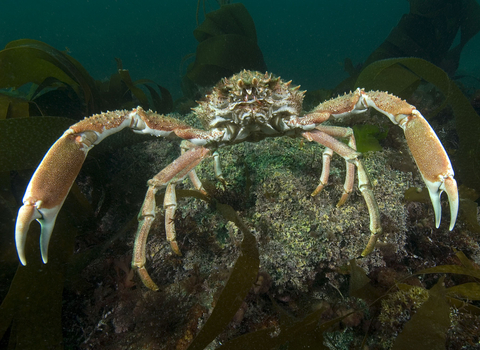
227, 44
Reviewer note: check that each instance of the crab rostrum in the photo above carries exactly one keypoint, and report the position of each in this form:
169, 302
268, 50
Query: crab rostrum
249, 106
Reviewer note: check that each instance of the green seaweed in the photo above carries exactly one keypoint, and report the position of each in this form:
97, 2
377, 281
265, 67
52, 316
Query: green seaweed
13, 106
54, 72
305, 333
415, 194
467, 268
242, 277
56, 76
358, 278
401, 76
431, 31
431, 321
229, 19
455, 269
367, 137
427, 329
468, 213
24, 141
31, 61
30, 314
468, 290
360, 286
227, 44
162, 102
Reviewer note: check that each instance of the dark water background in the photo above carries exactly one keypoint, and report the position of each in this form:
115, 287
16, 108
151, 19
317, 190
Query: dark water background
306, 41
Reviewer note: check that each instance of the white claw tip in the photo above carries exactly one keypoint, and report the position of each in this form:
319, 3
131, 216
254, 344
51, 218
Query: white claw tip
26, 214
46, 217
435, 189
435, 193
47, 223
23, 259
450, 187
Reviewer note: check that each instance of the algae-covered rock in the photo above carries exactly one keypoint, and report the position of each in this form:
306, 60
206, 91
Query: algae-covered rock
299, 234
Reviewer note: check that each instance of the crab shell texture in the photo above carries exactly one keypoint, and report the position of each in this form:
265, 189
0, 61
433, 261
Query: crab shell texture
250, 106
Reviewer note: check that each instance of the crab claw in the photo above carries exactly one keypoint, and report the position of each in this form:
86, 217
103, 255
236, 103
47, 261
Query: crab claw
435, 189
26, 215
46, 217
49, 187
427, 150
433, 163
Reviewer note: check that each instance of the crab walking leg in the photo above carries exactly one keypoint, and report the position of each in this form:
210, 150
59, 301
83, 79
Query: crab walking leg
364, 184
337, 131
173, 173
313, 120
326, 157
170, 206
426, 148
54, 177
146, 216
196, 182
217, 168
186, 146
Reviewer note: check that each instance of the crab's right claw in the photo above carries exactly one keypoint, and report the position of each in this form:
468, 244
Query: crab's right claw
49, 187
46, 217
55, 175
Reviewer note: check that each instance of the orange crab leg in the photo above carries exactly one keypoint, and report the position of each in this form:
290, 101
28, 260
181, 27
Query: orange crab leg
173, 173
430, 156
54, 177
364, 185
337, 131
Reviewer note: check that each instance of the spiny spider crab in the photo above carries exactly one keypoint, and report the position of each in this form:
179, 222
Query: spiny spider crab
249, 106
